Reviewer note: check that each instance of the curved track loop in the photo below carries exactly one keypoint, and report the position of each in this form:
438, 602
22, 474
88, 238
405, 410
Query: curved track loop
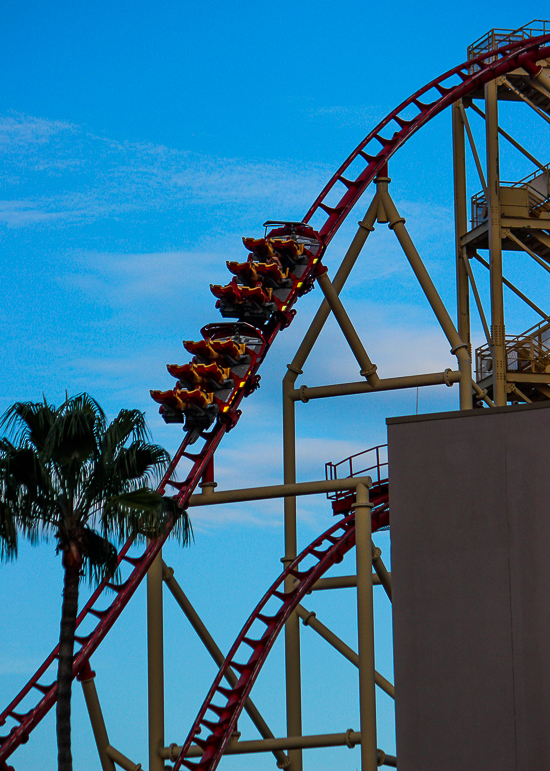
447, 90
507, 59
326, 550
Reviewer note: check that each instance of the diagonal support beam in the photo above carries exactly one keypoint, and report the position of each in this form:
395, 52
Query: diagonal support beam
530, 252
458, 347
381, 570
368, 369
525, 99
210, 645
514, 289
511, 139
309, 618
480, 310
473, 148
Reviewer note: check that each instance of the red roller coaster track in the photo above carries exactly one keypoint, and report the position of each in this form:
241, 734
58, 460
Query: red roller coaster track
375, 151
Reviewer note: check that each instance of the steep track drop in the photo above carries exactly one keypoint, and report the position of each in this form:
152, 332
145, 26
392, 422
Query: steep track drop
375, 151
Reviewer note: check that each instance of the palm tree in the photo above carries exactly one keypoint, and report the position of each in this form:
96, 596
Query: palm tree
65, 473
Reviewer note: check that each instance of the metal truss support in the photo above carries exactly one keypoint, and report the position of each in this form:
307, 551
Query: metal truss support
477, 298
461, 221
511, 139
498, 331
524, 98
381, 571
122, 761
350, 739
309, 618
341, 582
514, 289
210, 645
365, 625
155, 664
292, 627
508, 233
276, 491
305, 393
458, 347
368, 369
96, 717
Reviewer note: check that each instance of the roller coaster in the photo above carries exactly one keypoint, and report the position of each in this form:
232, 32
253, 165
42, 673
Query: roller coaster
256, 305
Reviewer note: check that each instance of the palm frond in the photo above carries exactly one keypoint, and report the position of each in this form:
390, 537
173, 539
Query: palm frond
140, 461
73, 438
28, 422
8, 533
99, 556
127, 424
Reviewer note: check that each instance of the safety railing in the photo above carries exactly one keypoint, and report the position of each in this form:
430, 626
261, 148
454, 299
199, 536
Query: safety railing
523, 354
496, 38
537, 185
372, 462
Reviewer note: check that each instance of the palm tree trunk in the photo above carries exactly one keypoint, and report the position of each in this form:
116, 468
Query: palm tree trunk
69, 612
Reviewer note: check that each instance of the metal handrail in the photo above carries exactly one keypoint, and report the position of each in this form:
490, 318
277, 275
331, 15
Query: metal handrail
523, 353
374, 471
497, 37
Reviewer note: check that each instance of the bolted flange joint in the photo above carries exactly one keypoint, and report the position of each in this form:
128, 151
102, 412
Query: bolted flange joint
306, 621
284, 763
349, 742
458, 347
294, 369
368, 372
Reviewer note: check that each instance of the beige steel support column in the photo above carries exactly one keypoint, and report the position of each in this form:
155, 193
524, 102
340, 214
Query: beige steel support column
293, 682
96, 718
292, 627
461, 225
155, 664
458, 347
495, 246
368, 369
365, 622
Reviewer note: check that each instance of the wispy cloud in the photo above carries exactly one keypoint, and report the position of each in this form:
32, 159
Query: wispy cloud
72, 175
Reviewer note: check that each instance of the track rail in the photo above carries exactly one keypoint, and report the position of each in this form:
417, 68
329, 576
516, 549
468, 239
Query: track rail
221, 721
507, 58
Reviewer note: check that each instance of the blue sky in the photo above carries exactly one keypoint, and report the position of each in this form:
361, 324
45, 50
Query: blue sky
139, 142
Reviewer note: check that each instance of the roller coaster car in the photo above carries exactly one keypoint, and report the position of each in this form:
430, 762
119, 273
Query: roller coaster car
297, 232
272, 274
201, 348
246, 271
227, 351
284, 252
209, 376
196, 408
231, 293
238, 301
213, 375
185, 373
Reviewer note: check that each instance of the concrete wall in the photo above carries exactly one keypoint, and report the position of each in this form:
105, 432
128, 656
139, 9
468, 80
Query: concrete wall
470, 528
